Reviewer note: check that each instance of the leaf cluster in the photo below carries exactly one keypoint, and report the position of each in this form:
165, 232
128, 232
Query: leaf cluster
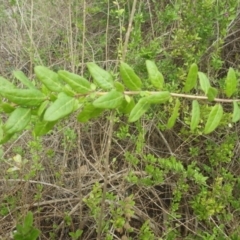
26, 231
64, 93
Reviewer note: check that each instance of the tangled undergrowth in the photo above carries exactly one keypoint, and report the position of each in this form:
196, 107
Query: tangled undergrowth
162, 184
62, 183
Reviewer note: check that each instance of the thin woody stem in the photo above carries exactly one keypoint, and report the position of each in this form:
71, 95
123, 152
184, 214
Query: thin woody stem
129, 30
106, 174
180, 95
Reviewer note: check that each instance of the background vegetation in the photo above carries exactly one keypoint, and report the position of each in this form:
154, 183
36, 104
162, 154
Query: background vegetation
162, 184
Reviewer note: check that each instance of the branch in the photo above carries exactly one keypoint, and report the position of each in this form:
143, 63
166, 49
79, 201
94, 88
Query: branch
179, 95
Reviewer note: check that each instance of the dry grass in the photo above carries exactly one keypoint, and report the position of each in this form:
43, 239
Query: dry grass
80, 168
71, 173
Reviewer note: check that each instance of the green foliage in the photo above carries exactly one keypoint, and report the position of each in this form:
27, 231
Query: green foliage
63, 106
138, 110
175, 34
94, 201
145, 232
102, 78
236, 112
209, 203
77, 83
213, 119
42, 127
212, 93
231, 83
4, 83
157, 169
120, 212
48, 78
175, 113
130, 78
17, 121
191, 80
76, 235
155, 76
8, 203
89, 112
157, 98
49, 108
23, 97
178, 36
111, 100
220, 153
195, 115
23, 78
204, 82
26, 231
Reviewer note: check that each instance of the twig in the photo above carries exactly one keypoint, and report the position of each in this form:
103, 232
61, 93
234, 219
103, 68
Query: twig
107, 29
106, 165
83, 35
166, 142
180, 95
129, 30
39, 182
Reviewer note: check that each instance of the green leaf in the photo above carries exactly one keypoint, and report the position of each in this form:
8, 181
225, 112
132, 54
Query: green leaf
139, 109
236, 112
42, 108
191, 78
29, 234
214, 118
172, 120
129, 77
111, 100
89, 112
43, 127
78, 104
23, 78
28, 221
127, 106
23, 97
48, 78
119, 87
204, 82
26, 231
69, 91
63, 106
76, 82
53, 97
231, 83
4, 83
154, 75
93, 87
17, 121
7, 107
127, 98
6, 138
212, 93
195, 115
160, 97
102, 78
